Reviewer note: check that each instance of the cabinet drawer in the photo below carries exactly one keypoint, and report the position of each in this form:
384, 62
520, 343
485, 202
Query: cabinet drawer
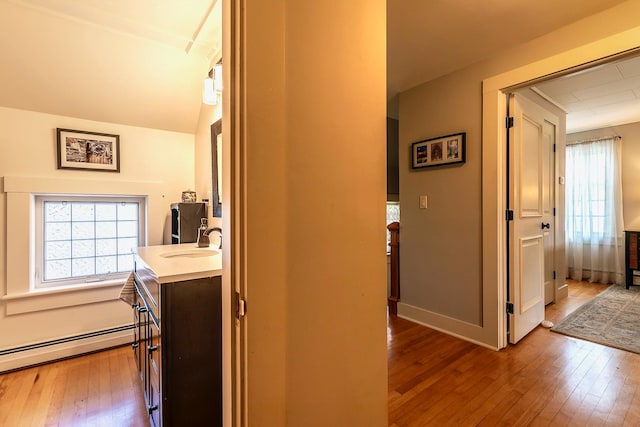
154, 349
154, 398
150, 288
140, 337
153, 352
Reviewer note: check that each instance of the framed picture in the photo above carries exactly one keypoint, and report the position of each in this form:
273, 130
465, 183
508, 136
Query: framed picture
79, 149
216, 165
443, 150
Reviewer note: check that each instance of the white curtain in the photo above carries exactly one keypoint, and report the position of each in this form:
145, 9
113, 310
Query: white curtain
594, 223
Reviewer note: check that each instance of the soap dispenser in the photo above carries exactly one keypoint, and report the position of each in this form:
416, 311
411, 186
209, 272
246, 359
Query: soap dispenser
203, 238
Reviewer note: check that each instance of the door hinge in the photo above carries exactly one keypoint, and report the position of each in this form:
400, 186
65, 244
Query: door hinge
554, 148
509, 215
509, 308
554, 275
241, 306
509, 122
554, 211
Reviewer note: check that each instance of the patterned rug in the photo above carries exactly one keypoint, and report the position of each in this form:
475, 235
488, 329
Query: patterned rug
612, 318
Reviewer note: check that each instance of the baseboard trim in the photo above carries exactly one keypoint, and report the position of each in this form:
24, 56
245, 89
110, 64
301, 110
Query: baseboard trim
447, 325
563, 291
36, 354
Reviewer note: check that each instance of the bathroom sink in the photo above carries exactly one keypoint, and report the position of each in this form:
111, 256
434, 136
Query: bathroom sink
189, 253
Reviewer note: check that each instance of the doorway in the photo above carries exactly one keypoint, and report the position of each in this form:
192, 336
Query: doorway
494, 146
608, 90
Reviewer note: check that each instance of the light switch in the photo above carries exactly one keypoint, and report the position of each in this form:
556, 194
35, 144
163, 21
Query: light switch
423, 202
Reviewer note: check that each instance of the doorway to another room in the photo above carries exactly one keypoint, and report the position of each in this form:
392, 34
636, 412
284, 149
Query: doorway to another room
599, 100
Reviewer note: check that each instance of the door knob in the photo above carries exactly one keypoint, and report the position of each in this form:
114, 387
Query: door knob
547, 225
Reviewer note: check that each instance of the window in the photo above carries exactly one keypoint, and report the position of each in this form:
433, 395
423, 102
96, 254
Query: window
86, 239
587, 173
594, 222
393, 215
593, 193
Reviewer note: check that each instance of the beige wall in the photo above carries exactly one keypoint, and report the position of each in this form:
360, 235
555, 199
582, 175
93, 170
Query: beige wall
630, 155
440, 269
155, 163
312, 199
336, 145
444, 282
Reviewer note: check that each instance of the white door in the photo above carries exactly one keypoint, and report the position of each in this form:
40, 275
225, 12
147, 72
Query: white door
531, 178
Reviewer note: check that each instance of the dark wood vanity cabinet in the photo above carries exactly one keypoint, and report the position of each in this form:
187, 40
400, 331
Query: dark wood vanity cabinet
631, 257
141, 324
178, 347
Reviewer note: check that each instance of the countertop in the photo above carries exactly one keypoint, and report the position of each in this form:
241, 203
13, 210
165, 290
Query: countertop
175, 263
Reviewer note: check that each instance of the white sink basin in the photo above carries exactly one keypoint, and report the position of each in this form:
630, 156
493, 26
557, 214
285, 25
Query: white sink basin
189, 253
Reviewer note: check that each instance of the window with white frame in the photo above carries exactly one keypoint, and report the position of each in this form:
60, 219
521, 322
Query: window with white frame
86, 239
393, 215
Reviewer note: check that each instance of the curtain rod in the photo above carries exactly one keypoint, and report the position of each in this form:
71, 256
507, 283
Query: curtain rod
586, 141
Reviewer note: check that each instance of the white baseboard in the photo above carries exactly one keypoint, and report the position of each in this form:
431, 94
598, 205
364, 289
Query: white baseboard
563, 291
53, 352
454, 327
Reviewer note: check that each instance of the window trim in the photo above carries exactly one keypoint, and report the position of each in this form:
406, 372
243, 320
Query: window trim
18, 297
61, 296
36, 282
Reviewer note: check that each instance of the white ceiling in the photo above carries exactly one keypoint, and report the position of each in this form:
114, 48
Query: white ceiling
603, 96
428, 39
141, 62
137, 62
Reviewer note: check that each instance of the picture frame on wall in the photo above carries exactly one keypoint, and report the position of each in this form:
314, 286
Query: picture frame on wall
84, 150
440, 151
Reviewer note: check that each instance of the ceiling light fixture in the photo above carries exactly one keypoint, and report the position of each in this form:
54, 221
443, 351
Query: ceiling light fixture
209, 95
213, 85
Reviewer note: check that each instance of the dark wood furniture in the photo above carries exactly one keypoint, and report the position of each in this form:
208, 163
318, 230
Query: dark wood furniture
631, 256
394, 297
185, 220
178, 349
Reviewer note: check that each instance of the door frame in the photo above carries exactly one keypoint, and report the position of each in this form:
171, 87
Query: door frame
494, 90
233, 226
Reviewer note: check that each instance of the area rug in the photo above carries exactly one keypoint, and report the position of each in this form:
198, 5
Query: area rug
612, 318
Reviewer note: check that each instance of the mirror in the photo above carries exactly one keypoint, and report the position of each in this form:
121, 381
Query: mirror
216, 166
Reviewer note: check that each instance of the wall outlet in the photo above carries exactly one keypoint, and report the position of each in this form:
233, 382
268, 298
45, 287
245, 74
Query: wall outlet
423, 202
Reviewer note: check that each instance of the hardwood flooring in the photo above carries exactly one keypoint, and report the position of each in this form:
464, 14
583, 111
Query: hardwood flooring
99, 389
547, 379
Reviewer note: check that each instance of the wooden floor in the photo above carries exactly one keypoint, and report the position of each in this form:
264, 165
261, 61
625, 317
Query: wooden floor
100, 389
434, 380
547, 379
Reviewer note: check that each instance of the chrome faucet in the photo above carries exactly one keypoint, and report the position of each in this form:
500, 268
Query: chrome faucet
218, 229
